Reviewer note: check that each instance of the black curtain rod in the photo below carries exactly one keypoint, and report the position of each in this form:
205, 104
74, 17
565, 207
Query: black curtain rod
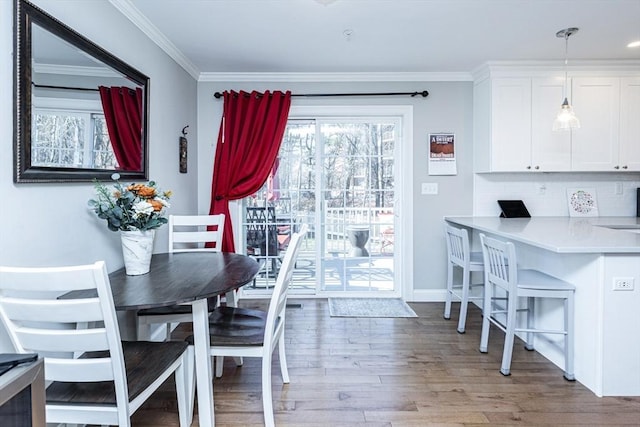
65, 87
424, 94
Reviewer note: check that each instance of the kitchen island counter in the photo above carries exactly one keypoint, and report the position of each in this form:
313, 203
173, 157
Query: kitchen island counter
563, 234
593, 253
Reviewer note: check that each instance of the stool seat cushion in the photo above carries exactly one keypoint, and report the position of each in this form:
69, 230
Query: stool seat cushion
534, 279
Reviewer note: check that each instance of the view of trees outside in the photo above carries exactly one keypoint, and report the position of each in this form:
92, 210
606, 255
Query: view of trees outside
103, 156
71, 140
357, 167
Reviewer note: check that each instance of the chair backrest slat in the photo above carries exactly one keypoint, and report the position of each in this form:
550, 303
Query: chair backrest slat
59, 340
278, 302
79, 370
457, 245
57, 279
190, 233
63, 311
499, 262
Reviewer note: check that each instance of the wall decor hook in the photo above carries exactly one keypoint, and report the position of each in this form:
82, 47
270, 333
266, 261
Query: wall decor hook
184, 130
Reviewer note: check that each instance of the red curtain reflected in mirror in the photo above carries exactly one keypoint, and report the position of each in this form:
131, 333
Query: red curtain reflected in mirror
251, 131
122, 108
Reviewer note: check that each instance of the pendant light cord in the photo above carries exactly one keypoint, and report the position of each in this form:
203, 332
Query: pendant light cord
566, 33
566, 64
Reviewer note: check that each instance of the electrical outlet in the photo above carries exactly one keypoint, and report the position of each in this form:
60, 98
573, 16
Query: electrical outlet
623, 283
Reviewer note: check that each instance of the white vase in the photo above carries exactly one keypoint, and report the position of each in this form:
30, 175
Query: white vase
137, 247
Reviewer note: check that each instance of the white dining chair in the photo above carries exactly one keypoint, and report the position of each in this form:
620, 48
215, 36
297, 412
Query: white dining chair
502, 274
187, 233
95, 378
244, 332
460, 256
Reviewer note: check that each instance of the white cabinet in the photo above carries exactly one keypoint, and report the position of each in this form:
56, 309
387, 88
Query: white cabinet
514, 113
630, 124
550, 151
609, 113
516, 135
510, 124
596, 102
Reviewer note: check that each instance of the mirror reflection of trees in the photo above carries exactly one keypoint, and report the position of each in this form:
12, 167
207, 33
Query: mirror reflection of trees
71, 139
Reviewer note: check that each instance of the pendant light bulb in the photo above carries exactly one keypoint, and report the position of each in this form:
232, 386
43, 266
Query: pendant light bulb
566, 118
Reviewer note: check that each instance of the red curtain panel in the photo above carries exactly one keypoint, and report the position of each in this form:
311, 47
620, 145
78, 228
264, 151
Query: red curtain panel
122, 108
251, 132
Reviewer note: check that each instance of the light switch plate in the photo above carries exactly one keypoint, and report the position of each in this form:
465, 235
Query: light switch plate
618, 188
429, 188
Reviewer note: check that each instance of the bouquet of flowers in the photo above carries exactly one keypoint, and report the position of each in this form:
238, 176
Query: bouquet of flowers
132, 207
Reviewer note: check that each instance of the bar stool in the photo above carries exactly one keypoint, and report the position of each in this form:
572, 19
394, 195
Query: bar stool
459, 255
501, 272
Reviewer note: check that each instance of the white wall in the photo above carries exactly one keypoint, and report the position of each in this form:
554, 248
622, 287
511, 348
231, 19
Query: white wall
448, 108
50, 224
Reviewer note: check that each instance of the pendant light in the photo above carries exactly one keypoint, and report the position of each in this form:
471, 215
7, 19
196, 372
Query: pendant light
566, 118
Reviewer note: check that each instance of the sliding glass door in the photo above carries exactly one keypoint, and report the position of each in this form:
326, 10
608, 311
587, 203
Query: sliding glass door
338, 176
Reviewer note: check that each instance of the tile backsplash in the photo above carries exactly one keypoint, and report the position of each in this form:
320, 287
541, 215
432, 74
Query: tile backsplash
545, 194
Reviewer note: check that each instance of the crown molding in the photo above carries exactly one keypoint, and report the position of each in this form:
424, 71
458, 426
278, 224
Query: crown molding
630, 67
336, 77
139, 20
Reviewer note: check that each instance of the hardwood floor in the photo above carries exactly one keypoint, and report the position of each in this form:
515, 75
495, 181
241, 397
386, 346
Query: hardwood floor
397, 372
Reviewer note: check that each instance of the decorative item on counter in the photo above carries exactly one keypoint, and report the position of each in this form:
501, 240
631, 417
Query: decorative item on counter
582, 202
183, 150
135, 210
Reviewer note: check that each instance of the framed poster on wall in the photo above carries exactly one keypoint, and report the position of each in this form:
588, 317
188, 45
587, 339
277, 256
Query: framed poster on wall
442, 154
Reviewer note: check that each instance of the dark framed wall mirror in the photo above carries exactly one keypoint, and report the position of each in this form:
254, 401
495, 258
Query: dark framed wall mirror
80, 112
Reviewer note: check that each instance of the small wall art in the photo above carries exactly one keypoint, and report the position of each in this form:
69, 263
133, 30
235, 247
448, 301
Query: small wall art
582, 202
183, 150
442, 156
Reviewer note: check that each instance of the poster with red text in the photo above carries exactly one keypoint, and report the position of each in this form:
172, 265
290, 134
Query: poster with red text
442, 155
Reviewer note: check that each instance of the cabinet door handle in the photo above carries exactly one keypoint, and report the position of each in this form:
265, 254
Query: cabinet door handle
528, 167
537, 167
624, 167
616, 167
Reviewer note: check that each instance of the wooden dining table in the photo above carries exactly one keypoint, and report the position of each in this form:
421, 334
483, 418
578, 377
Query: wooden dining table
187, 278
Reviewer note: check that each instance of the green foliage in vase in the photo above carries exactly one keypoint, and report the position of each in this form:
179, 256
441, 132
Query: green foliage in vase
132, 207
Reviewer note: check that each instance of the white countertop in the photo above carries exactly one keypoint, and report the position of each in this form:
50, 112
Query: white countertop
563, 234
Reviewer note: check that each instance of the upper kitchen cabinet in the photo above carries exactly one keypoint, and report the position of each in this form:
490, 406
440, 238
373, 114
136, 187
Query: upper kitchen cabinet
630, 123
596, 102
609, 137
550, 151
512, 126
504, 137
514, 110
